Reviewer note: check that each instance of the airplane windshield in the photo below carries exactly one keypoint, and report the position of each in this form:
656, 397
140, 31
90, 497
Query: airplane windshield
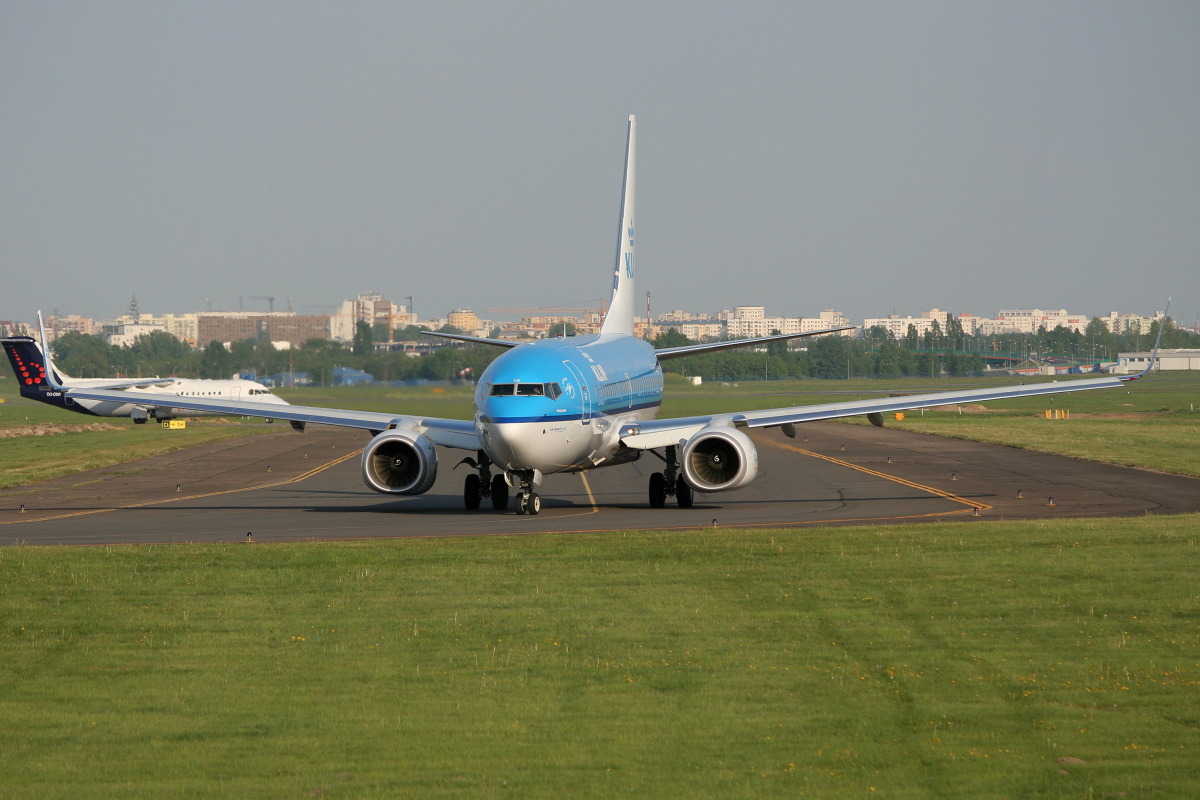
551, 390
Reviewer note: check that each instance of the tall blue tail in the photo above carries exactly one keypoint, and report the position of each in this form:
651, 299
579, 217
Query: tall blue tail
26, 362
619, 319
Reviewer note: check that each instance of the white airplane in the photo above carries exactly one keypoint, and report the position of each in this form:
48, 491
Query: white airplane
32, 367
582, 402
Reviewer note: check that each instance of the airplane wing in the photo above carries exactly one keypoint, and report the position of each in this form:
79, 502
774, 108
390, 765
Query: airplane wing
138, 384
660, 433
460, 337
665, 432
456, 433
710, 347
446, 432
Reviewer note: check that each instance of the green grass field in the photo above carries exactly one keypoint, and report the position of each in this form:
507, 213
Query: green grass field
29, 459
992, 660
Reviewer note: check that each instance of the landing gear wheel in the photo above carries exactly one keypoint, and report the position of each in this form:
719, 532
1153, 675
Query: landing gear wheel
471, 491
683, 493
658, 490
522, 503
499, 493
533, 505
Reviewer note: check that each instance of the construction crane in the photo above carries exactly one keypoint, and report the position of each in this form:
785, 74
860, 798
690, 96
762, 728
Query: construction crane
270, 300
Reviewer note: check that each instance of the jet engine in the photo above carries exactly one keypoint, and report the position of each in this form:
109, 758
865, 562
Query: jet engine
399, 462
718, 459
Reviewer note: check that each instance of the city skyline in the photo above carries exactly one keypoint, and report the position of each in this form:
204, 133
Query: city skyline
859, 154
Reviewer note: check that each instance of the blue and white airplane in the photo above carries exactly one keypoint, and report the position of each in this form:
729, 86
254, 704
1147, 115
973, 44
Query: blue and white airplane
582, 402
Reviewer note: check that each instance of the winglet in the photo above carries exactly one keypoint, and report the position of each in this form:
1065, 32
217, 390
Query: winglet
619, 318
1154, 355
46, 363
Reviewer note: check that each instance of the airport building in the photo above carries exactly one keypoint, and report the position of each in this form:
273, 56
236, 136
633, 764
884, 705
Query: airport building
274, 326
371, 308
898, 325
56, 326
124, 330
1168, 359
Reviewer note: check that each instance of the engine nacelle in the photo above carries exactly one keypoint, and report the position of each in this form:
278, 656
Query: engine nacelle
399, 462
718, 459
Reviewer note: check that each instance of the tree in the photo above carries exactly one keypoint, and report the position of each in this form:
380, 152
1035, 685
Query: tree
778, 349
216, 363
827, 357
362, 338
671, 337
912, 339
83, 356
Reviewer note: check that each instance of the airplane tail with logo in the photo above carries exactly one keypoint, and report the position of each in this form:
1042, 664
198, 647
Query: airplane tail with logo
26, 362
619, 319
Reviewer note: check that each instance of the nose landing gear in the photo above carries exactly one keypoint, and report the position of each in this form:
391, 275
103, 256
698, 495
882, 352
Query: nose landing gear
528, 501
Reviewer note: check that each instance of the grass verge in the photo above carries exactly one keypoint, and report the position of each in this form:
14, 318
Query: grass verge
32, 458
999, 659
1168, 443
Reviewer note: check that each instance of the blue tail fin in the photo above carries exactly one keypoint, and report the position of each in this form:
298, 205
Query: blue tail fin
619, 318
26, 362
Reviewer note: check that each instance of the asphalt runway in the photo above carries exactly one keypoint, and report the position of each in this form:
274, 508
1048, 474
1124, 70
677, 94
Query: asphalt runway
289, 486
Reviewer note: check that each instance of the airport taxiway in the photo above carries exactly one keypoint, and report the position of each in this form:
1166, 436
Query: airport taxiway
288, 486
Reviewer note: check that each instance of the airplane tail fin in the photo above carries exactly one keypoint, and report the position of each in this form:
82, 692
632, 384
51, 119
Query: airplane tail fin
26, 362
619, 318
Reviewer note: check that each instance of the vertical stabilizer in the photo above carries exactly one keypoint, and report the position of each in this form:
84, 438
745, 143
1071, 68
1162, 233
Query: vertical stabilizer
619, 319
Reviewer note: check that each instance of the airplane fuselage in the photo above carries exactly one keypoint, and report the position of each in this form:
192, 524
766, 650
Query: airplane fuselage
236, 389
558, 405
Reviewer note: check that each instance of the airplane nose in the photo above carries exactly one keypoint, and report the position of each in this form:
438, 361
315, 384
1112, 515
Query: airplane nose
522, 445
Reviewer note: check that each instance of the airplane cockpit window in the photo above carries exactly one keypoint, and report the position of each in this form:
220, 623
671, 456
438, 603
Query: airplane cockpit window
551, 390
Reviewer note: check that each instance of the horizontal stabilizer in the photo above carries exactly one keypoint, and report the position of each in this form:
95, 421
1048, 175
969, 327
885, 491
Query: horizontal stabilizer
459, 337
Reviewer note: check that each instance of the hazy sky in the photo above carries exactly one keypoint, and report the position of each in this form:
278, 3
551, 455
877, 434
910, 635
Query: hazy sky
859, 156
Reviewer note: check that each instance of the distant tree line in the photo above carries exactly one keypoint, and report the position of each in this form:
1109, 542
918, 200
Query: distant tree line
159, 353
876, 354
879, 354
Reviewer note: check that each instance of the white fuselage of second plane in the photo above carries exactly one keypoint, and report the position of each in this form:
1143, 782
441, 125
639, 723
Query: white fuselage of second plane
558, 404
233, 389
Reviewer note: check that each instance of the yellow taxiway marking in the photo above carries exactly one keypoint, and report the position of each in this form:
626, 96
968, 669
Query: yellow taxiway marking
587, 487
84, 513
885, 476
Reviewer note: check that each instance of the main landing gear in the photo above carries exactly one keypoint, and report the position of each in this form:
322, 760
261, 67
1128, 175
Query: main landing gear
482, 483
669, 483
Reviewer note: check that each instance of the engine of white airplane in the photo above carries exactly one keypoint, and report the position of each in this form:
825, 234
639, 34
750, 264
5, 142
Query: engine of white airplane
399, 462
718, 459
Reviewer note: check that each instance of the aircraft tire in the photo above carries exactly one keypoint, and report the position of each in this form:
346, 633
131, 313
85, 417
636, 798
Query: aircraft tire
522, 501
683, 493
533, 504
499, 493
471, 492
658, 490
